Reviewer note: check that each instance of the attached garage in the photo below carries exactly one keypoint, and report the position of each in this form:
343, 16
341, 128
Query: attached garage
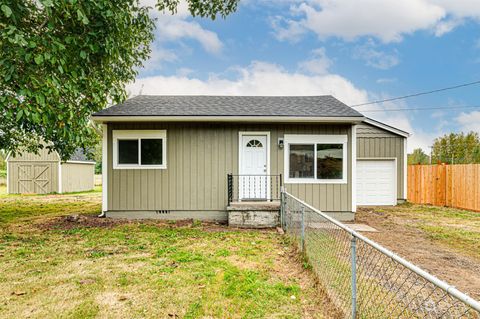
381, 164
44, 173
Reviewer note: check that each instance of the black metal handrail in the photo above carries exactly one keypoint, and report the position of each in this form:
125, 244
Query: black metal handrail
248, 187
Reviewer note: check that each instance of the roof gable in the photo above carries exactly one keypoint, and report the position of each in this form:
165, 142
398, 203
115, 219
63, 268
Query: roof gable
373, 127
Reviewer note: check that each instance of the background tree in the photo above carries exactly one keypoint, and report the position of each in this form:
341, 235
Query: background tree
418, 156
62, 60
460, 148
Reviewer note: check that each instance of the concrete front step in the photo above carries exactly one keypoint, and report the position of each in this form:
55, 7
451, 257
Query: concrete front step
254, 214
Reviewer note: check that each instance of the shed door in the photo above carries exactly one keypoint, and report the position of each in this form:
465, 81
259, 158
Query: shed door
376, 182
34, 178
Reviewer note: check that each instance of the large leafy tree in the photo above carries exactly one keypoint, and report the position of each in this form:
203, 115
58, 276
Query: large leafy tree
418, 156
457, 148
62, 60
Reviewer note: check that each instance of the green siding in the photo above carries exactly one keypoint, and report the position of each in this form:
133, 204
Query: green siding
373, 142
199, 156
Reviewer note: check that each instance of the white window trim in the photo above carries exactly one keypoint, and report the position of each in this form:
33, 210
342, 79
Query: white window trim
354, 168
104, 169
315, 139
137, 135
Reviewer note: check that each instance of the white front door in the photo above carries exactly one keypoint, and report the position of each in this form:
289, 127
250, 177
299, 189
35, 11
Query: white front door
376, 182
253, 180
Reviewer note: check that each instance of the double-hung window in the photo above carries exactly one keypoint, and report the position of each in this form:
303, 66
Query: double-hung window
316, 159
139, 149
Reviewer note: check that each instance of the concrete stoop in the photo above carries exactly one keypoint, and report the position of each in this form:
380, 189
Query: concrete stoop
254, 214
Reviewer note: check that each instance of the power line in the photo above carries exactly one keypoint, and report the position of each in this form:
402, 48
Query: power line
418, 94
425, 108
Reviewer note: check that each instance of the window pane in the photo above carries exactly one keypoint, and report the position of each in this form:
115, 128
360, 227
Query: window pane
301, 161
127, 151
152, 151
329, 161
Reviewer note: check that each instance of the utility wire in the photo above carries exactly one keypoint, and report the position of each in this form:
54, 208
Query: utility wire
418, 94
424, 108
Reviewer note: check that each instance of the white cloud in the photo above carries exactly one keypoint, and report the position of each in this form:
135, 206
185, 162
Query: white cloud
286, 29
446, 26
172, 29
259, 78
318, 64
387, 20
374, 57
157, 58
460, 8
469, 121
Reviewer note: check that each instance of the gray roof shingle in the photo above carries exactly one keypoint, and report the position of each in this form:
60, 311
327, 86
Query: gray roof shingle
199, 105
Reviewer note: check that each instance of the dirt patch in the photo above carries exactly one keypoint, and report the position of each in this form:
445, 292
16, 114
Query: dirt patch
91, 221
79, 221
289, 264
399, 234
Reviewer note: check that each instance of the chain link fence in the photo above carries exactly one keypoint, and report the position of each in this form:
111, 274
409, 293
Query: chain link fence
364, 279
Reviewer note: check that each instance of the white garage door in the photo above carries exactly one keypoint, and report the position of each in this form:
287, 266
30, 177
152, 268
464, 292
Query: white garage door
376, 182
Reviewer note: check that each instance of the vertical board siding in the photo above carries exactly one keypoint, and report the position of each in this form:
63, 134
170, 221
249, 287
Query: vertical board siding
199, 156
445, 185
77, 177
43, 156
384, 147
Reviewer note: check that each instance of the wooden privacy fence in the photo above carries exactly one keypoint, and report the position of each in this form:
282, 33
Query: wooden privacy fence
445, 185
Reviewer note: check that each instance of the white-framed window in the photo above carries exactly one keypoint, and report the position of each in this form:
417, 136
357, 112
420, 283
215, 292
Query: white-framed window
139, 149
315, 159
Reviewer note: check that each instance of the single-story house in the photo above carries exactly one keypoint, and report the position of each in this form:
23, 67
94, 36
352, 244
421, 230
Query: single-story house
43, 173
193, 156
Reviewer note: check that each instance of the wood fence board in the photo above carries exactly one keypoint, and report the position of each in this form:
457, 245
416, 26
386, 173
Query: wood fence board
445, 185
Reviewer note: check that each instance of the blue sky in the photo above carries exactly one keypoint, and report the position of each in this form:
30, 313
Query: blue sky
355, 50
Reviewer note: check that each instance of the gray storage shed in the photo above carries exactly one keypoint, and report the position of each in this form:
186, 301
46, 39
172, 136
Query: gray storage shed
44, 173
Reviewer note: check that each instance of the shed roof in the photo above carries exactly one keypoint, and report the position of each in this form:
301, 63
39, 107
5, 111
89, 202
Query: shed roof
230, 106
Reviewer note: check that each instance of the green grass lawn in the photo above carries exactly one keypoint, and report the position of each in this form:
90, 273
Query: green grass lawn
90, 267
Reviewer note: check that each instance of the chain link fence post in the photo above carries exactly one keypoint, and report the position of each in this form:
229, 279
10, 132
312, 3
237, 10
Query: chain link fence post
282, 208
353, 246
303, 230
